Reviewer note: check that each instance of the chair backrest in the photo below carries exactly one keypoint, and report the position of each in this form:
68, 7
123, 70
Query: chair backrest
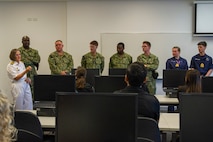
29, 127
140, 139
148, 130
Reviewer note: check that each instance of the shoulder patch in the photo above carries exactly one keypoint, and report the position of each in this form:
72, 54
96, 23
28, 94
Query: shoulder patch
12, 62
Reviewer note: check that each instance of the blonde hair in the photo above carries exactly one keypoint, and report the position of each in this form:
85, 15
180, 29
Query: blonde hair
7, 131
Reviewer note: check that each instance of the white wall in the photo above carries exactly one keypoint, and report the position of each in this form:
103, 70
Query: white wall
88, 20
43, 22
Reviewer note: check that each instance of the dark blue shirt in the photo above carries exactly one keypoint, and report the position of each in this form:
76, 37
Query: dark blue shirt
180, 63
202, 63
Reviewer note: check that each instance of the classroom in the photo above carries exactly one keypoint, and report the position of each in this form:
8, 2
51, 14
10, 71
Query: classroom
165, 23
77, 23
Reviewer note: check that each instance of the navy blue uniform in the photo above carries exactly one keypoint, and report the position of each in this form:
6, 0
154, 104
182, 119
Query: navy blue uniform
202, 63
180, 63
148, 105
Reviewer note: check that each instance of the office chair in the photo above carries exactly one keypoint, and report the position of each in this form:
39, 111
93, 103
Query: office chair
29, 127
148, 130
140, 139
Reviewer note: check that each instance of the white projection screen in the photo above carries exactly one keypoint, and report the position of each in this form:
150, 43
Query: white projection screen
203, 18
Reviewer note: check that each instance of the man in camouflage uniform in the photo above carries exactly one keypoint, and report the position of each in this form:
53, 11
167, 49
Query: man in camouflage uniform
93, 59
30, 57
60, 62
151, 63
120, 59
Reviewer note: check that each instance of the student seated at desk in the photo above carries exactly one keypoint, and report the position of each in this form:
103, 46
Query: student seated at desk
81, 85
148, 105
192, 82
192, 85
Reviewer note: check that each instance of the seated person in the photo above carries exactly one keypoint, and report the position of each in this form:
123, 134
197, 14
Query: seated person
192, 82
7, 131
80, 83
148, 105
192, 85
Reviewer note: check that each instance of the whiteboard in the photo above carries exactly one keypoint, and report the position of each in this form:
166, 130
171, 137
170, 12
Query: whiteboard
161, 46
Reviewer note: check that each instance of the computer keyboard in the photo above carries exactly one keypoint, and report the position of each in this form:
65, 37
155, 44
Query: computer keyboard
44, 104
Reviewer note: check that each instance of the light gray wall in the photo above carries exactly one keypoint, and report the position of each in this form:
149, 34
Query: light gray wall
43, 22
88, 20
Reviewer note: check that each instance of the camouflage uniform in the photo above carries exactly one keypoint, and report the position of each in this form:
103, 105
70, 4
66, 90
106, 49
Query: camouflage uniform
58, 63
30, 57
152, 63
120, 61
93, 62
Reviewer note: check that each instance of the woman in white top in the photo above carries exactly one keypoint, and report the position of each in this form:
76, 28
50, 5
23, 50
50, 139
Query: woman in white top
21, 93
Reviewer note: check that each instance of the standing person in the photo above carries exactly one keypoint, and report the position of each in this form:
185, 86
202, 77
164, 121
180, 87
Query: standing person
176, 62
60, 62
8, 132
30, 57
17, 73
81, 84
202, 62
93, 59
120, 59
148, 105
151, 63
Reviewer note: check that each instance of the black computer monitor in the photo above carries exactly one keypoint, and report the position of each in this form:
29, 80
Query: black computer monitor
173, 78
196, 117
96, 117
109, 83
206, 83
117, 71
45, 86
90, 77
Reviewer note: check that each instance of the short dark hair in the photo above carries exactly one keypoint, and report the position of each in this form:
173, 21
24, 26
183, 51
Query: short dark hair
13, 54
176, 47
25, 37
136, 74
94, 42
122, 44
202, 43
147, 42
58, 41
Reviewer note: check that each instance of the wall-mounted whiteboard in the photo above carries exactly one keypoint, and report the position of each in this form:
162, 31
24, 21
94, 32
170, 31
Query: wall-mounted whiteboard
162, 44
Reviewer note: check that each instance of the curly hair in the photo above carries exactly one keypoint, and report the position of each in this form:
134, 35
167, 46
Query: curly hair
7, 131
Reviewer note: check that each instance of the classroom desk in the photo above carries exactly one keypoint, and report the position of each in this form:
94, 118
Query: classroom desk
164, 100
172, 121
168, 122
47, 122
